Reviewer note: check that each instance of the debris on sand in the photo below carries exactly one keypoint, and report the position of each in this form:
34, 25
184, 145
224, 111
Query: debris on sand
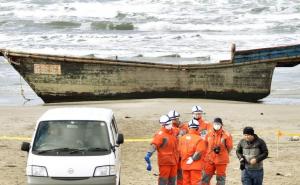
284, 175
294, 138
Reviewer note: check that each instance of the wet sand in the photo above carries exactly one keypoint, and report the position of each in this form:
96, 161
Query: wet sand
139, 119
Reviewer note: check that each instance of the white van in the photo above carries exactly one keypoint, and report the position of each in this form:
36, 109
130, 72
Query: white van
74, 146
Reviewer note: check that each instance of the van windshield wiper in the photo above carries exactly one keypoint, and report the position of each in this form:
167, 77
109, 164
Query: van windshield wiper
56, 150
77, 150
73, 150
96, 149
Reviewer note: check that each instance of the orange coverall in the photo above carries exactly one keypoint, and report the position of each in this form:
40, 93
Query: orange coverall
167, 155
184, 128
204, 127
190, 145
217, 162
178, 126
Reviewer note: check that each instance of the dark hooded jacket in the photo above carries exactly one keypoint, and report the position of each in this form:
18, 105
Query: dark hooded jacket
254, 149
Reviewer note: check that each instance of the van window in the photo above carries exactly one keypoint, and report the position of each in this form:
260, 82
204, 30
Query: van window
114, 130
69, 137
115, 125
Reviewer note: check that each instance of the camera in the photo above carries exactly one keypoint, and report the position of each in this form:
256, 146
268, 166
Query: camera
217, 149
242, 163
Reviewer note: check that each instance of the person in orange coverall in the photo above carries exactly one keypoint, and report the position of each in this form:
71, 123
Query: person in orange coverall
192, 149
174, 116
204, 126
219, 144
166, 143
176, 123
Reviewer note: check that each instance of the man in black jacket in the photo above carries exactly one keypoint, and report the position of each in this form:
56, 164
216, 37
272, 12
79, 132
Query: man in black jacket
251, 152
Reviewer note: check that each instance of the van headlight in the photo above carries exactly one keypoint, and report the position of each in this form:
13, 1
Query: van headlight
104, 171
39, 171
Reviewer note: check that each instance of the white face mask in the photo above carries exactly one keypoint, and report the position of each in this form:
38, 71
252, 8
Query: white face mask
217, 126
197, 115
168, 127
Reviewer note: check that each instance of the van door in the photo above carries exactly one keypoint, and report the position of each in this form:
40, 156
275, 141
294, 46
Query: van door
114, 130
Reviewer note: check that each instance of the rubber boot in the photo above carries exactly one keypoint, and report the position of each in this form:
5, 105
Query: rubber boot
220, 180
172, 181
179, 177
162, 181
205, 179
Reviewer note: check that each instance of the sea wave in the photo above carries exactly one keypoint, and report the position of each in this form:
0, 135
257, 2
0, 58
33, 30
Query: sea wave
3, 60
147, 27
2, 22
285, 27
107, 25
63, 24
281, 101
168, 26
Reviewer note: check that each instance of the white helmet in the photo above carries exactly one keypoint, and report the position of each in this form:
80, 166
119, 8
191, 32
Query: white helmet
193, 124
197, 108
164, 120
173, 114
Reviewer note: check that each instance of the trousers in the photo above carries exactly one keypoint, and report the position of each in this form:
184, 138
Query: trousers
192, 177
167, 174
252, 177
210, 169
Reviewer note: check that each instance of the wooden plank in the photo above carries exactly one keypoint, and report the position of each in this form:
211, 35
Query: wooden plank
267, 54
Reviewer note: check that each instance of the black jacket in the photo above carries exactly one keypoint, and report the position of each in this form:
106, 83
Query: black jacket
256, 149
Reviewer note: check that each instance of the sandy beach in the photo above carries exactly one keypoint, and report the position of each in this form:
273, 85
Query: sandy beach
139, 119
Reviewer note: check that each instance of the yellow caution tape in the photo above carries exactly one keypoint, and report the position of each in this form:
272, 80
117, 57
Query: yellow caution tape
279, 133
20, 138
14, 138
24, 138
138, 140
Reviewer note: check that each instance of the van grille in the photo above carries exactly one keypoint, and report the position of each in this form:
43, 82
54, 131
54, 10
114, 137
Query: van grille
70, 178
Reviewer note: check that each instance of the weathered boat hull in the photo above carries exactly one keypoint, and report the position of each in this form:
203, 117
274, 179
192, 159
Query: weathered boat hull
62, 79
246, 77
249, 97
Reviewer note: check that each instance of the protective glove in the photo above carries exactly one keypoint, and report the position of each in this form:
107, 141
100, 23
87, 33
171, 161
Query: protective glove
147, 159
149, 167
190, 160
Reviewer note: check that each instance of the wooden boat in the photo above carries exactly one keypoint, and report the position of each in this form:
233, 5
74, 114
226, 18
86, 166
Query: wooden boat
246, 77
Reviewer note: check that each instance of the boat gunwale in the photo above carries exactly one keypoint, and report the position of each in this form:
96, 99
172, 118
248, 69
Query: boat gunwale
249, 51
95, 60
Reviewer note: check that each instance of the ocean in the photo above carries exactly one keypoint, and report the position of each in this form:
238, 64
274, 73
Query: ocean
196, 31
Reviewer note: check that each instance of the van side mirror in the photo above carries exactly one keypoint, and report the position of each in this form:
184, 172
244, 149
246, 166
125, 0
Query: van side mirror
120, 139
25, 146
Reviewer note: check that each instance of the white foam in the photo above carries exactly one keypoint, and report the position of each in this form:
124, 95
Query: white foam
190, 28
281, 101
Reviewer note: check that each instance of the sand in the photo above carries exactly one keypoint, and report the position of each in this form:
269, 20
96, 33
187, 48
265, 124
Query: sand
139, 119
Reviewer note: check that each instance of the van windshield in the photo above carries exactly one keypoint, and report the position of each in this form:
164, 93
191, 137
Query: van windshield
70, 137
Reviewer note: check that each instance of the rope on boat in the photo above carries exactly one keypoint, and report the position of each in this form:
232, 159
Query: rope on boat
22, 90
5, 53
21, 86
